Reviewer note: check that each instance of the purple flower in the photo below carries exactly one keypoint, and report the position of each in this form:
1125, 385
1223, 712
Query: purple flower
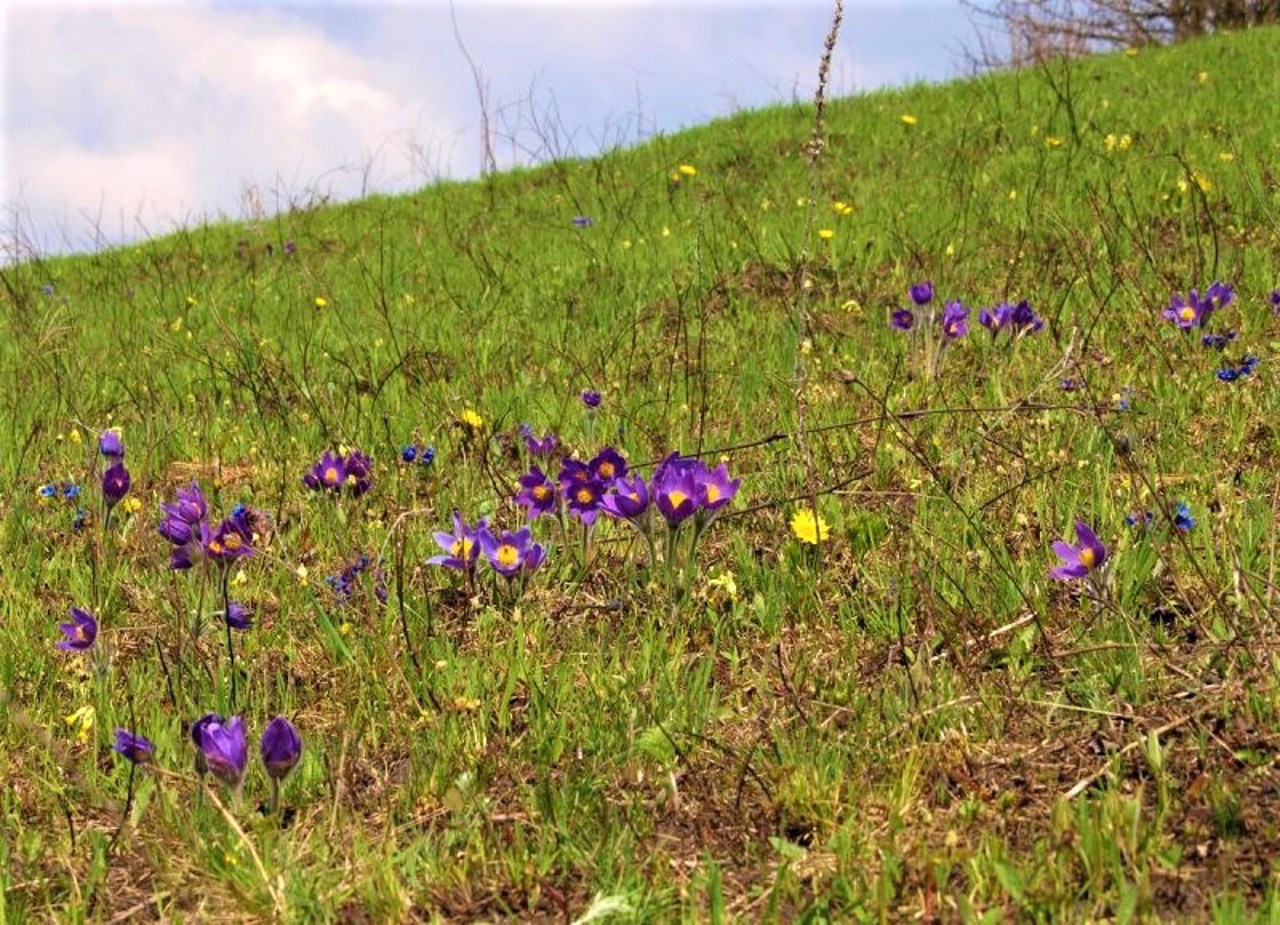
80, 632
675, 489
608, 465
197, 731
238, 616
538, 447
281, 747
922, 293
462, 546
715, 489
1081, 560
233, 539
1024, 319
1275, 300
955, 320
591, 398
904, 319
328, 474
137, 748
409, 453
995, 319
223, 745
1185, 313
1218, 295
1218, 341
583, 498
359, 469
573, 471
511, 553
115, 484
627, 499
582, 221
538, 493
111, 445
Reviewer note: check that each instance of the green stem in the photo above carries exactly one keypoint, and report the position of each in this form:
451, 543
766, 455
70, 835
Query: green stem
231, 649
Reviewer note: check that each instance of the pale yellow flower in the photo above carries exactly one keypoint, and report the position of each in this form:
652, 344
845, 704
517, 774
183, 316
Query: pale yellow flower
321, 301
472, 419
81, 722
907, 119
687, 170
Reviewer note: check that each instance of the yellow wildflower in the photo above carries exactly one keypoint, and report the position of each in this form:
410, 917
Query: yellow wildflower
131, 505
826, 234
687, 170
321, 301
472, 420
907, 119
81, 722
806, 530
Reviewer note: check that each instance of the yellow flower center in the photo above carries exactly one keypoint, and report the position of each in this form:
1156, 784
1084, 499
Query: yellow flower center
713, 494
585, 496
634, 496
606, 470
677, 498
541, 492
1088, 557
81, 633
331, 475
507, 555
233, 542
1187, 313
461, 548
215, 547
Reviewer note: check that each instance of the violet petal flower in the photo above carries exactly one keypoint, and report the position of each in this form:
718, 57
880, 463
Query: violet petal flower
675, 489
137, 748
281, 747
583, 499
238, 616
608, 465
462, 546
538, 493
329, 474
81, 631
627, 499
903, 319
955, 320
111, 444
507, 553
1087, 556
115, 484
591, 398
922, 293
715, 489
225, 749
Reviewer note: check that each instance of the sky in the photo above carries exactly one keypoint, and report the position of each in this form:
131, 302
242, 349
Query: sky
123, 120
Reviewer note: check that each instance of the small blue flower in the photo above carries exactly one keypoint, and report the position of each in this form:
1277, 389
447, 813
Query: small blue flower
71, 492
427, 455
1228, 374
1182, 518
409, 453
48, 491
1139, 518
1218, 340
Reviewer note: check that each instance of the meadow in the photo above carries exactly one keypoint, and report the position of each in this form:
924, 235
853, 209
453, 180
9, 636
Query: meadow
940, 582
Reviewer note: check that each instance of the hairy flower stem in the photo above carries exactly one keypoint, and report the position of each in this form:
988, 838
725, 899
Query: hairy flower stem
231, 649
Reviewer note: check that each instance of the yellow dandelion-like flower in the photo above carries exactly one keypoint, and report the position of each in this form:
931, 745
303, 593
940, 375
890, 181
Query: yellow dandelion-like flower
301, 573
131, 505
242, 576
321, 301
192, 300
471, 419
74, 436
826, 234
806, 346
687, 170
806, 529
907, 119
1052, 141
1202, 77
1226, 157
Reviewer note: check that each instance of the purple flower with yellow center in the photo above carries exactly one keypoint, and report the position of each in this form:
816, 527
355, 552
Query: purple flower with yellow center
572, 472
583, 498
329, 474
715, 488
538, 446
1081, 560
675, 489
224, 747
1024, 320
232, 540
511, 553
462, 546
1193, 311
111, 445
627, 499
591, 398
280, 748
1218, 295
904, 319
608, 465
137, 748
955, 320
238, 616
922, 293
81, 631
537, 494
115, 484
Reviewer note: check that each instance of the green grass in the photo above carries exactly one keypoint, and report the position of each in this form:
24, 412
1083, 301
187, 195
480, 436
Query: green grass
911, 720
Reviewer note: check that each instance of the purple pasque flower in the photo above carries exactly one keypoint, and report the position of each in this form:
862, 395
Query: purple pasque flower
115, 483
627, 498
81, 631
1218, 295
715, 488
280, 748
608, 465
675, 489
137, 748
238, 616
591, 398
538, 446
1024, 320
1081, 560
922, 293
955, 320
996, 319
462, 546
903, 319
1275, 300
511, 553
537, 493
224, 747
583, 498
359, 468
1187, 312
111, 444
329, 474
233, 539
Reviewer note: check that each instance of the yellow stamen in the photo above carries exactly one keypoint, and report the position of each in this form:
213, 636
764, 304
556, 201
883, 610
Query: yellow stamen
713, 494
1187, 313
331, 476
585, 496
606, 470
541, 492
507, 555
1088, 558
677, 498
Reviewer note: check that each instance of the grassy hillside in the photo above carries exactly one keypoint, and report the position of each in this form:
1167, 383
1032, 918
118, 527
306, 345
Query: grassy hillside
907, 718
